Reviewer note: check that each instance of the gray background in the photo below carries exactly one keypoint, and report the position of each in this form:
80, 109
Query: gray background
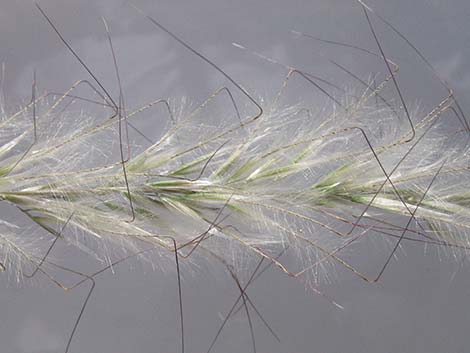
421, 304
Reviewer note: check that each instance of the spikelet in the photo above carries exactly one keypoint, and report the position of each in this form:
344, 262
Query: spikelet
315, 181
286, 176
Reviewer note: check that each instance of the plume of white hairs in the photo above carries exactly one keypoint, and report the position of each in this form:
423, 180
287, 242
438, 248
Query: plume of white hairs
286, 177
215, 182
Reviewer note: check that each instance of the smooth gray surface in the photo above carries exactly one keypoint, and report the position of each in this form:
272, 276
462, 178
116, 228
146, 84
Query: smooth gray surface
421, 305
